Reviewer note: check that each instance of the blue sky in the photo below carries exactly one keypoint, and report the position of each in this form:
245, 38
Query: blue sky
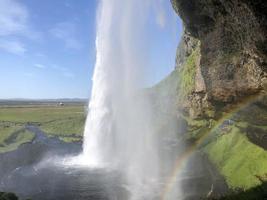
47, 48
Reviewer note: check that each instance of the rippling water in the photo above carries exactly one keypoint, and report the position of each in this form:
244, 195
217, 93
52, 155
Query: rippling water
42, 171
56, 183
36, 171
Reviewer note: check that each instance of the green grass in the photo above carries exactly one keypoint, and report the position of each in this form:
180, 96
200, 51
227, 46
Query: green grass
67, 127
6, 130
65, 122
70, 139
39, 114
22, 137
239, 161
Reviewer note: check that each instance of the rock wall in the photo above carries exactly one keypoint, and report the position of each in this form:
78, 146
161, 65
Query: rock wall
221, 69
233, 38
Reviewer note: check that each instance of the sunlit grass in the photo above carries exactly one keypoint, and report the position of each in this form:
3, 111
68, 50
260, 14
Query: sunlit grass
239, 161
39, 114
6, 131
65, 127
23, 136
65, 122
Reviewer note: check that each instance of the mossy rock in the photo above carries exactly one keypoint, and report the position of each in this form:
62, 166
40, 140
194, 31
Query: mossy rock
187, 75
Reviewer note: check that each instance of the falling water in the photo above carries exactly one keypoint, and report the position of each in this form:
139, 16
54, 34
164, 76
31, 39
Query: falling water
114, 79
119, 130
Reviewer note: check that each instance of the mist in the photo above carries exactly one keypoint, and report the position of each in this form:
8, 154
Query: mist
120, 128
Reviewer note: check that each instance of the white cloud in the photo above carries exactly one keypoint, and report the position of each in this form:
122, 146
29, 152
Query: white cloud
14, 26
13, 22
14, 47
13, 18
40, 66
66, 31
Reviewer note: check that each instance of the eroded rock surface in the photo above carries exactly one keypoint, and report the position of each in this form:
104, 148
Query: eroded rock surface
222, 84
233, 45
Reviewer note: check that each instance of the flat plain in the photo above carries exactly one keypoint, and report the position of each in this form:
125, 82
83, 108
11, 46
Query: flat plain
64, 121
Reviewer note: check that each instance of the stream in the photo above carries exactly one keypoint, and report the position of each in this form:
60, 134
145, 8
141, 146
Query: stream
33, 171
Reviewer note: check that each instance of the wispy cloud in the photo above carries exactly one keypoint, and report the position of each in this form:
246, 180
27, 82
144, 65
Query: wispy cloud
13, 18
40, 66
64, 71
12, 46
13, 22
14, 26
66, 31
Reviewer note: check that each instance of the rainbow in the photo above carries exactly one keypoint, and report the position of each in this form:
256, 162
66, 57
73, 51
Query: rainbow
191, 149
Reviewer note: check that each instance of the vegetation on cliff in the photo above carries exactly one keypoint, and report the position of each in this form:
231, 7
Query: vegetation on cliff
232, 66
187, 75
242, 163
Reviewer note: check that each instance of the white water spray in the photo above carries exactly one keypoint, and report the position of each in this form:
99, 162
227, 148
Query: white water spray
112, 109
118, 129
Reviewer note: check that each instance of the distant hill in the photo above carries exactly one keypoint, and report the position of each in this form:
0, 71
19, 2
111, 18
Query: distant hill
42, 101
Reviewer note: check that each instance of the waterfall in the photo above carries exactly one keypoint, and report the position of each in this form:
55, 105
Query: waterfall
115, 109
119, 129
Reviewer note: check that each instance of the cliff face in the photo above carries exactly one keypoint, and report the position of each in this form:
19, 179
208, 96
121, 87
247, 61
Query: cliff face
233, 37
221, 69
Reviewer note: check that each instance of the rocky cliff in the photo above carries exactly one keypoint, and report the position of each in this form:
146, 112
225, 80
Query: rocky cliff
221, 85
233, 38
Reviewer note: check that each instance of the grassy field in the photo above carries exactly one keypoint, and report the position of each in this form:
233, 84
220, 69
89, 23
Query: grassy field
241, 162
65, 122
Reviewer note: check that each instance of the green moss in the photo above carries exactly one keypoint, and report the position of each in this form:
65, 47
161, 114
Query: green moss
239, 161
210, 113
261, 127
187, 75
196, 127
242, 124
197, 123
